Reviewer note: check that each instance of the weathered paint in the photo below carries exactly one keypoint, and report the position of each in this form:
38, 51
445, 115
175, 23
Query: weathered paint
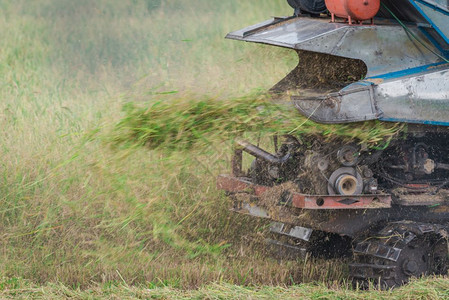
303, 201
406, 80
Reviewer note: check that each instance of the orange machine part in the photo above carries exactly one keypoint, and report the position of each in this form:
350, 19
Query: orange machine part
353, 10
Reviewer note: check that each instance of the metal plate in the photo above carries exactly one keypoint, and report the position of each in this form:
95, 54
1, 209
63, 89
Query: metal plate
384, 48
304, 201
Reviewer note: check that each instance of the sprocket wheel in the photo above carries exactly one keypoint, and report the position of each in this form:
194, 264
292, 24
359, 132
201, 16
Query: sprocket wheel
398, 252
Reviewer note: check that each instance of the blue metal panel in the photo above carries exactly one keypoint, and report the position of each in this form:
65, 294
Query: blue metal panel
407, 72
424, 122
436, 16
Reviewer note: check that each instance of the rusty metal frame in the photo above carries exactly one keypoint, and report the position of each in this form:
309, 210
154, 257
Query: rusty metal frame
232, 184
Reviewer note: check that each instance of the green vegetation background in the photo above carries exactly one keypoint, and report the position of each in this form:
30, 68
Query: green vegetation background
78, 213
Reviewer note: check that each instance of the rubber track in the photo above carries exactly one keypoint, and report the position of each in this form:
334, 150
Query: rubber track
385, 258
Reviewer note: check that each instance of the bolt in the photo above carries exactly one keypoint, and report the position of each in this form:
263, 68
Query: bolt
368, 173
323, 164
410, 267
349, 156
429, 166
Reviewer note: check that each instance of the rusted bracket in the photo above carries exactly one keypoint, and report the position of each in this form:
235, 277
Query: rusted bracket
232, 184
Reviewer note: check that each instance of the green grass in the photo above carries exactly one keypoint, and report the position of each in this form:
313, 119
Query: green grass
82, 218
183, 123
431, 288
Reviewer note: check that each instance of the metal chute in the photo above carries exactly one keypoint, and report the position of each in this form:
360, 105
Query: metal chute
396, 70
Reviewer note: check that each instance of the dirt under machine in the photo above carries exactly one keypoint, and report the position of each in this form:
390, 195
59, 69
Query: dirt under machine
359, 60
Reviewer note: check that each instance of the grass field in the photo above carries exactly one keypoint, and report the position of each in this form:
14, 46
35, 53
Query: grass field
82, 216
432, 288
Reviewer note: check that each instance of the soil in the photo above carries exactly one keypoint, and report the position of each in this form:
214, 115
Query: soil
322, 73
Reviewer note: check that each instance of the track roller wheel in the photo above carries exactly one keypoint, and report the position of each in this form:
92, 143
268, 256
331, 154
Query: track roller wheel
398, 252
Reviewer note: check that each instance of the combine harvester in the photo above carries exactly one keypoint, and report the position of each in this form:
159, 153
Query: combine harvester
388, 208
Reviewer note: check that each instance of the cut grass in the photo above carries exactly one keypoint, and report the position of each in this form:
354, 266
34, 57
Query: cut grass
180, 123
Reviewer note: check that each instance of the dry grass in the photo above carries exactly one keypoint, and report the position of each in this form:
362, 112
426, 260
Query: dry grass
431, 288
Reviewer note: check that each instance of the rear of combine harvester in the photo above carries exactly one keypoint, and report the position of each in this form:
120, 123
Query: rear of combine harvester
390, 207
